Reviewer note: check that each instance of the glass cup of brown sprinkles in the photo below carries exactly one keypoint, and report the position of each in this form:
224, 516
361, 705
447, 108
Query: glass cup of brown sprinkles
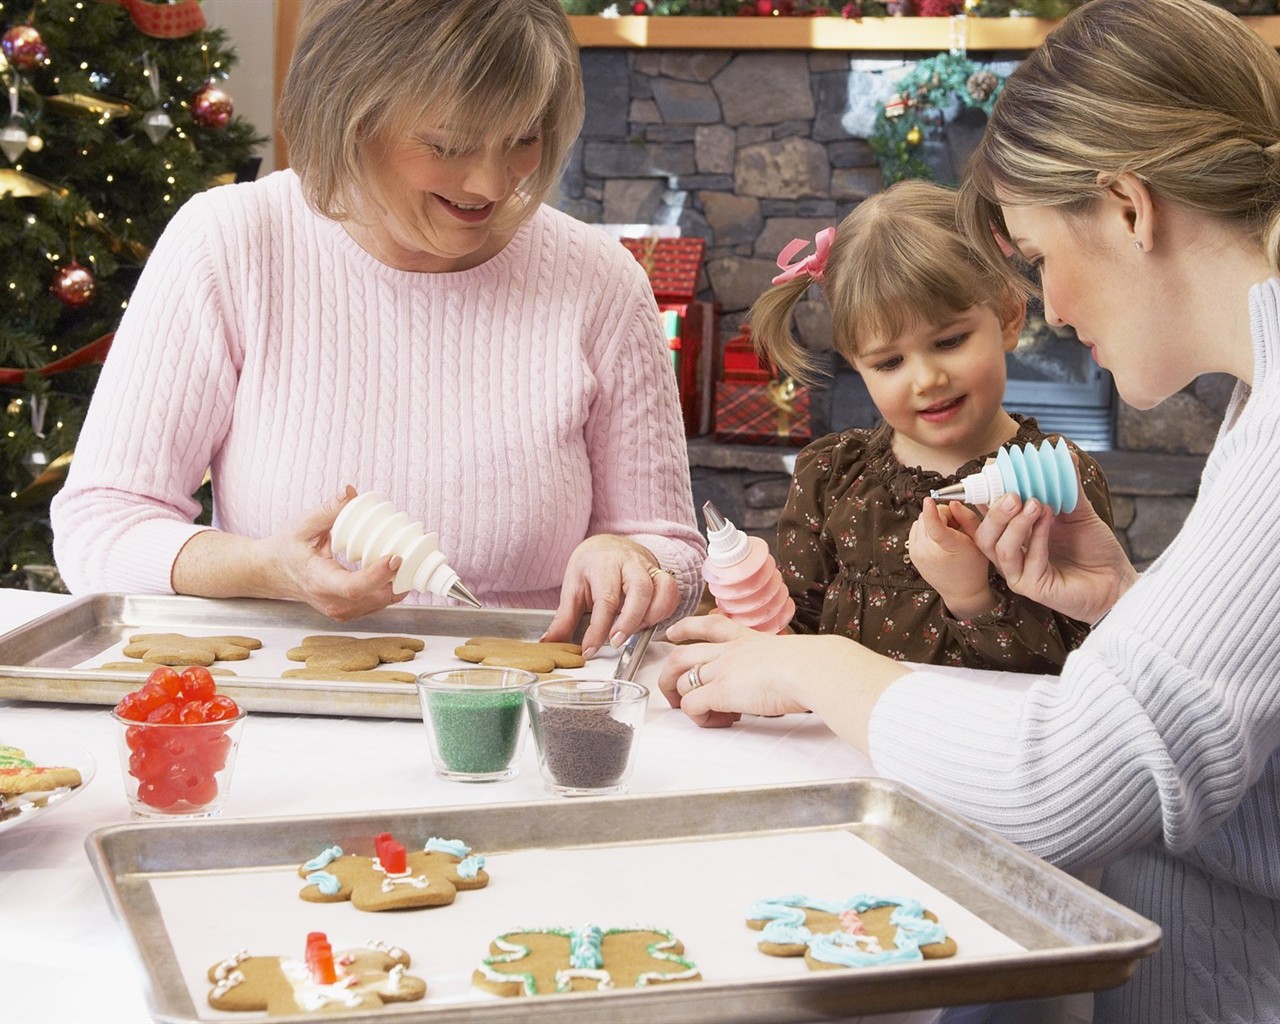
585, 732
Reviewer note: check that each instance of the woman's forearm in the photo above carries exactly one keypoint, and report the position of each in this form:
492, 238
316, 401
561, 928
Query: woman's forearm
217, 564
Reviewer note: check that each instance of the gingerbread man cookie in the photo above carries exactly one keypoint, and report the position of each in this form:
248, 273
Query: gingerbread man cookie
858, 932
328, 653
179, 649
364, 978
540, 961
530, 655
393, 879
19, 774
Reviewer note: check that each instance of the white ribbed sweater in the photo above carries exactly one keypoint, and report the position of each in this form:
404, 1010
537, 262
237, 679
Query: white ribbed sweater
515, 408
1155, 751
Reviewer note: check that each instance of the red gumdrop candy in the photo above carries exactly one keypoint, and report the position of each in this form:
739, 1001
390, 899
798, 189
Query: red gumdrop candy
203, 791
219, 708
157, 793
165, 714
198, 683
128, 708
147, 763
150, 696
167, 679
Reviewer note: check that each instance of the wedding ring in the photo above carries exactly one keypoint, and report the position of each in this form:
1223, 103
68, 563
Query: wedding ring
656, 570
691, 677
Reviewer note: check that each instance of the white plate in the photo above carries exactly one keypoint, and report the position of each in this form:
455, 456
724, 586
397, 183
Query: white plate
61, 754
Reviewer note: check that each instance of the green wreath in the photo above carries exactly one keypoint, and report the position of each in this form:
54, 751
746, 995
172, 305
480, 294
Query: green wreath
916, 109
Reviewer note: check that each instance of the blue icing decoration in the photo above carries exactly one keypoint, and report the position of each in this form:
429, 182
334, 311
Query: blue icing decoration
584, 948
785, 917
470, 866
325, 882
323, 859
456, 847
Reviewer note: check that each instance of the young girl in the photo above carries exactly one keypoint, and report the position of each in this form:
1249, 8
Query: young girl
865, 551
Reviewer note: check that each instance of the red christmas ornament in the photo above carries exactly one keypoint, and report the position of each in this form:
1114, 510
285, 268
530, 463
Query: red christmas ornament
73, 285
211, 106
641, 7
24, 47
764, 7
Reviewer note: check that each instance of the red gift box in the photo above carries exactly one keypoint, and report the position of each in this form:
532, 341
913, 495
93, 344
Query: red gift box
753, 406
671, 264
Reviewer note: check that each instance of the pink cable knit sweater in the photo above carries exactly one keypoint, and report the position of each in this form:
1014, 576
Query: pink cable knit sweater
516, 407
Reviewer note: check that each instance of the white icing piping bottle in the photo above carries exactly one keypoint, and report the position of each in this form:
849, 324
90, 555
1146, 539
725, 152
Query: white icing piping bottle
743, 577
1047, 474
369, 528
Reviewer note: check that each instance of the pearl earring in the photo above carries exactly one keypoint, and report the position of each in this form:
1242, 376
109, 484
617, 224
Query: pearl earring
1138, 246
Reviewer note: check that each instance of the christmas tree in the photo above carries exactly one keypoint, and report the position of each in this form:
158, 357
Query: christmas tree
115, 117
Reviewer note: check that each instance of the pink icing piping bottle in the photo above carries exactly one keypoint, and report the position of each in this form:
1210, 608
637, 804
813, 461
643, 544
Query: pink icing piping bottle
743, 577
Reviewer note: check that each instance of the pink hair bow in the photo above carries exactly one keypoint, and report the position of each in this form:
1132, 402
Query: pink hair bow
812, 265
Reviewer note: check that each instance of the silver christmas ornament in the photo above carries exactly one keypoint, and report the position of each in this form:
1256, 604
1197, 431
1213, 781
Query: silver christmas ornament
157, 124
13, 140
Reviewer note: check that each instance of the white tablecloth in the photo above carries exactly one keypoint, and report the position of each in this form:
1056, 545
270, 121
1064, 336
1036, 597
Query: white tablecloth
64, 958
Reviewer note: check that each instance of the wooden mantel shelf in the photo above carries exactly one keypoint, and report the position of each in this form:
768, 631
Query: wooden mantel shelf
933, 34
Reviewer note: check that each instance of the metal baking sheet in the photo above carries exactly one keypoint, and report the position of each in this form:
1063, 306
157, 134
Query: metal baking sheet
37, 660
1073, 938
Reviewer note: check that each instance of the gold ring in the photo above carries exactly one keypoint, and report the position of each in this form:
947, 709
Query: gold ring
691, 677
656, 570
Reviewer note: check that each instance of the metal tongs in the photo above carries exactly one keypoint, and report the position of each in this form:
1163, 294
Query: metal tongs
633, 651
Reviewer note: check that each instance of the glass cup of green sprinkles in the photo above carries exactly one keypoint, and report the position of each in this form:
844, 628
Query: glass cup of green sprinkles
585, 732
475, 721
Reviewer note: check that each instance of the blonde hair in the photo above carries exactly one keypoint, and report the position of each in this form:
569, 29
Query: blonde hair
898, 260
368, 70
1177, 92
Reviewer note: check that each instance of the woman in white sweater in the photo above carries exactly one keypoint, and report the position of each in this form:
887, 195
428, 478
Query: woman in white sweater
1134, 158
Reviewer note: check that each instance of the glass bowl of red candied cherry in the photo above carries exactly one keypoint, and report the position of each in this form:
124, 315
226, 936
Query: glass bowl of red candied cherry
177, 737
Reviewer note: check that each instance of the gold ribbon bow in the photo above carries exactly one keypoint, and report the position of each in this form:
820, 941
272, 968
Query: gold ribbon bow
782, 393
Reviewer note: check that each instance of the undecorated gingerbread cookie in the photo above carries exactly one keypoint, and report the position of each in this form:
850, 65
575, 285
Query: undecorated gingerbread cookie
364, 978
328, 653
393, 879
540, 961
179, 649
530, 655
861, 931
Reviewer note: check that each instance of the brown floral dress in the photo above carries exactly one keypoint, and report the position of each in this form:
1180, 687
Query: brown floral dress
842, 549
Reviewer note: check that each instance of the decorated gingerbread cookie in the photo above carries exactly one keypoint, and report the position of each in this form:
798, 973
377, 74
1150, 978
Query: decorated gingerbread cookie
530, 655
859, 932
364, 978
19, 774
539, 961
393, 879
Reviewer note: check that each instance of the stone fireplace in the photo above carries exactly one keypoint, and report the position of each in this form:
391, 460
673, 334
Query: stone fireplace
751, 149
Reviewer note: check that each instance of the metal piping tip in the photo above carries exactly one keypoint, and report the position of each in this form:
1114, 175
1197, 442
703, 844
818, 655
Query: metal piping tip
952, 492
460, 593
715, 521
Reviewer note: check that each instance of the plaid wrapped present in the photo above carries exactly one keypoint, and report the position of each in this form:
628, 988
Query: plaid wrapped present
671, 264
763, 412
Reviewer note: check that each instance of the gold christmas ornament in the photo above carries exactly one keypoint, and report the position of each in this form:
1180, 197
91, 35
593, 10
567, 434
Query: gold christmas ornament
84, 105
914, 136
21, 185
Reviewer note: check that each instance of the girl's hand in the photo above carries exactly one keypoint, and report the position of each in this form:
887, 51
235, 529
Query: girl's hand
623, 586
1072, 563
949, 560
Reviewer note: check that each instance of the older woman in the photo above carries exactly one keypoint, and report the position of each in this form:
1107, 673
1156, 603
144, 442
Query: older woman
1135, 160
398, 312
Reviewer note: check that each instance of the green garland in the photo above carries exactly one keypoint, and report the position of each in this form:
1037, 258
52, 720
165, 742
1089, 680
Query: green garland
905, 121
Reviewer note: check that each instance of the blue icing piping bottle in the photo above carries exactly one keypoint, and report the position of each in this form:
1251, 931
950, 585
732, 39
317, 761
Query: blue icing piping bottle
1047, 474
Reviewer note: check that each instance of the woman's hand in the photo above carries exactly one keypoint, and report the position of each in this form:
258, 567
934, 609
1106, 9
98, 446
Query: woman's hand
741, 671
949, 560
1071, 563
293, 563
300, 557
621, 584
